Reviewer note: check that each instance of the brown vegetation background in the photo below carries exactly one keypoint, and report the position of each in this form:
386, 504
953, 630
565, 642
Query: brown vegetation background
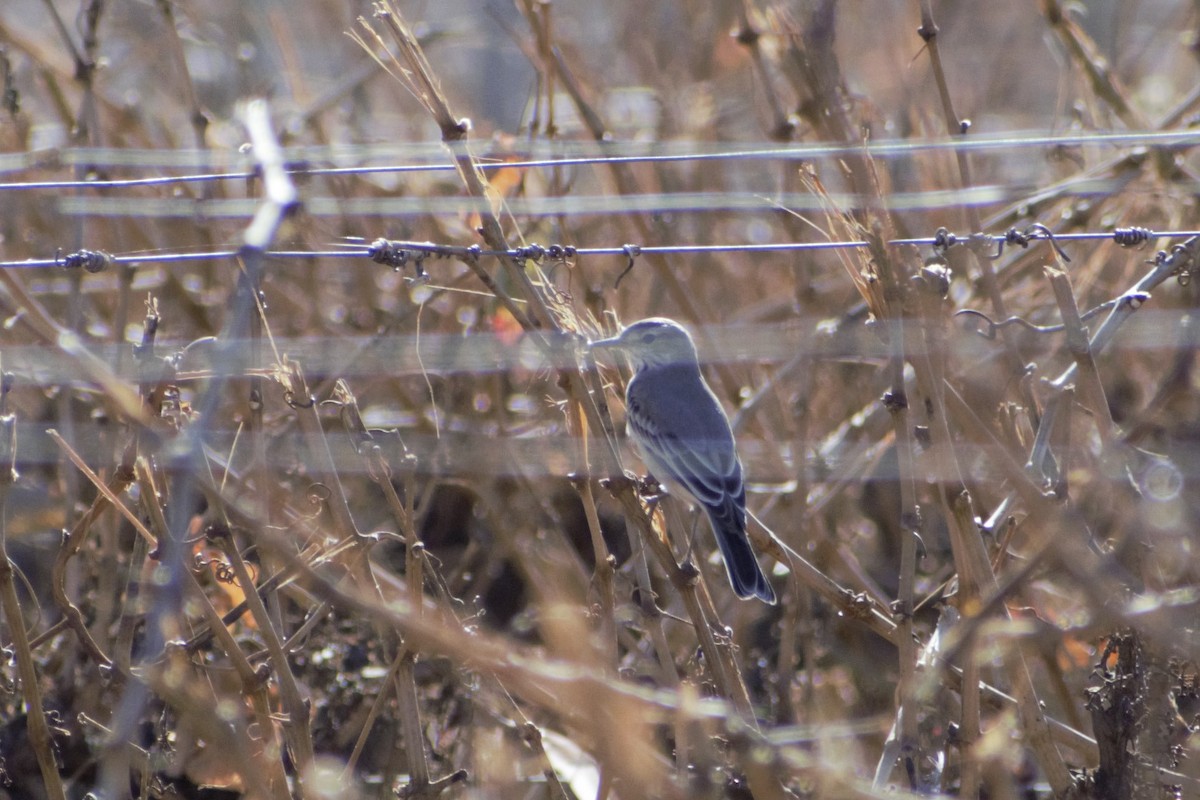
982, 526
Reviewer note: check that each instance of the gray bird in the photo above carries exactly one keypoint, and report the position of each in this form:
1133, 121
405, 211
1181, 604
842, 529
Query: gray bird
685, 440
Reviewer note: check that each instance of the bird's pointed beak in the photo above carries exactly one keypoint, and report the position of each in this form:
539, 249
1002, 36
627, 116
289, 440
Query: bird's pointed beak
612, 341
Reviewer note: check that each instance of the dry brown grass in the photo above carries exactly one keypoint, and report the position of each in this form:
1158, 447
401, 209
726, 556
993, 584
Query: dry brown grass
983, 546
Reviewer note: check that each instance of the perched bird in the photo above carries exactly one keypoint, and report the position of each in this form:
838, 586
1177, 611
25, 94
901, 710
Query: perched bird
685, 440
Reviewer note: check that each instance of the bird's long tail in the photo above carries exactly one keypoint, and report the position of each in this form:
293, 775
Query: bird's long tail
745, 575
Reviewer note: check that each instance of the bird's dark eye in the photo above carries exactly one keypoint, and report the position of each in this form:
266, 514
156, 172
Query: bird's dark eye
647, 338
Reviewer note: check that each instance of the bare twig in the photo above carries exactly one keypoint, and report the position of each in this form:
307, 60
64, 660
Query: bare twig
36, 724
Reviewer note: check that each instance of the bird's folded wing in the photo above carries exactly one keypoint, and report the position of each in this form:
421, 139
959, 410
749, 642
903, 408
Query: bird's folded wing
707, 468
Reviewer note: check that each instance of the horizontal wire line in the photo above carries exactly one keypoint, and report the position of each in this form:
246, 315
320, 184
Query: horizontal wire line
679, 149
883, 148
545, 453
542, 451
478, 352
575, 204
629, 250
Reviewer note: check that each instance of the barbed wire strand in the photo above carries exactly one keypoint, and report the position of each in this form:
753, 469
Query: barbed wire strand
96, 260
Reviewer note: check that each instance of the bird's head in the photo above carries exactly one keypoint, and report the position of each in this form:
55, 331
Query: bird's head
654, 342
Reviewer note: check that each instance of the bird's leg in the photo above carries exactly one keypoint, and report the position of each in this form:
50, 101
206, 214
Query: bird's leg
651, 491
695, 514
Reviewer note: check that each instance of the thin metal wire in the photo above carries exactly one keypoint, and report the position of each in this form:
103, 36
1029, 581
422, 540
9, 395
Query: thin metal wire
694, 153
401, 352
415, 205
108, 205
124, 183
